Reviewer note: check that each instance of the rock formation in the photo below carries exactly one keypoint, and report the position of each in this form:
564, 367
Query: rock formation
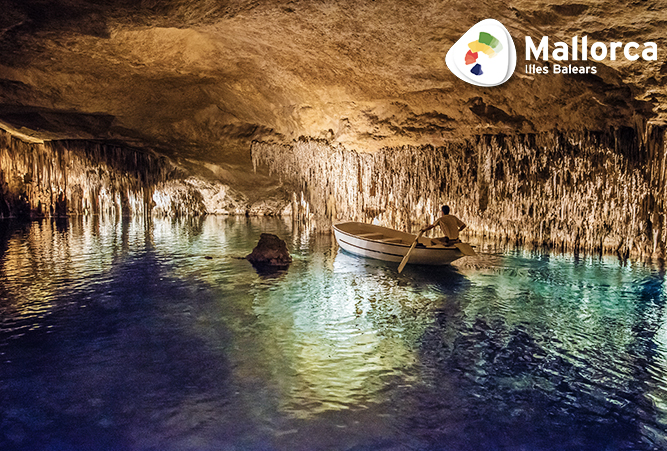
60, 178
270, 253
586, 191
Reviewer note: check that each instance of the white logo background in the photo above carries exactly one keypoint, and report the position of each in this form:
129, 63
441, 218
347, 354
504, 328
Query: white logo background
496, 70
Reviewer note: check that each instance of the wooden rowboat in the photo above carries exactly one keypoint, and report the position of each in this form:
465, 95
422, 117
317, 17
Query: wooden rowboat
391, 245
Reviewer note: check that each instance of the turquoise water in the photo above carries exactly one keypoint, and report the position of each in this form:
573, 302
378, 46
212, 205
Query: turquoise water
154, 335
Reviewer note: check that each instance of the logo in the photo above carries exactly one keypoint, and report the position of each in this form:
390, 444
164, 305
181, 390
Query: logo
598, 51
484, 56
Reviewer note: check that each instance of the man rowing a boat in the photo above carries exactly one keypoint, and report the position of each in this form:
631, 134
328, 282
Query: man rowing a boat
450, 226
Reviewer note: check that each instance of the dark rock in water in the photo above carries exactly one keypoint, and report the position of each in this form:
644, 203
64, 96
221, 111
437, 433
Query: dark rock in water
271, 252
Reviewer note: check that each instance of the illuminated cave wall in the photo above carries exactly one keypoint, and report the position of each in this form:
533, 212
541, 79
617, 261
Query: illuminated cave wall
78, 177
75, 177
588, 191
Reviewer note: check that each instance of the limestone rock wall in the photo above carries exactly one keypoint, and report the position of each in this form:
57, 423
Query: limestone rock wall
70, 177
60, 178
578, 191
196, 197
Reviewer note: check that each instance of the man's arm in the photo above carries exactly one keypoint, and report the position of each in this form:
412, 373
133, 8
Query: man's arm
429, 227
461, 224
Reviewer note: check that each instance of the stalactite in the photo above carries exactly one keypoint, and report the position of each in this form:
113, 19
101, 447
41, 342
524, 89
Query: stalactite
62, 178
576, 191
73, 177
196, 197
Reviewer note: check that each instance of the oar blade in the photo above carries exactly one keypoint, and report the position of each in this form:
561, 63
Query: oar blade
407, 255
466, 249
405, 259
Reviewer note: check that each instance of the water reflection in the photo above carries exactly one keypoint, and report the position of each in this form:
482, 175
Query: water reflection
562, 340
155, 334
343, 328
47, 260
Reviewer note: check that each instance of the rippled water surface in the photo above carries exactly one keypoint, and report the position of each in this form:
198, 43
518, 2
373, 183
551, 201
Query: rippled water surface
154, 335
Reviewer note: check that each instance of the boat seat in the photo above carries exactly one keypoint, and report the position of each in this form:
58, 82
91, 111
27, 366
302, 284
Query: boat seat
392, 240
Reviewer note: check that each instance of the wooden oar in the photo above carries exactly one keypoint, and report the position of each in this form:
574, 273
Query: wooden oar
405, 259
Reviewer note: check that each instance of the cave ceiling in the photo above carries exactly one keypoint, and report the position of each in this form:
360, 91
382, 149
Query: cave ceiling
202, 79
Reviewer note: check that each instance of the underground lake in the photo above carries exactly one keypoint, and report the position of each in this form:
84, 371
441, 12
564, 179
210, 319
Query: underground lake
155, 334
